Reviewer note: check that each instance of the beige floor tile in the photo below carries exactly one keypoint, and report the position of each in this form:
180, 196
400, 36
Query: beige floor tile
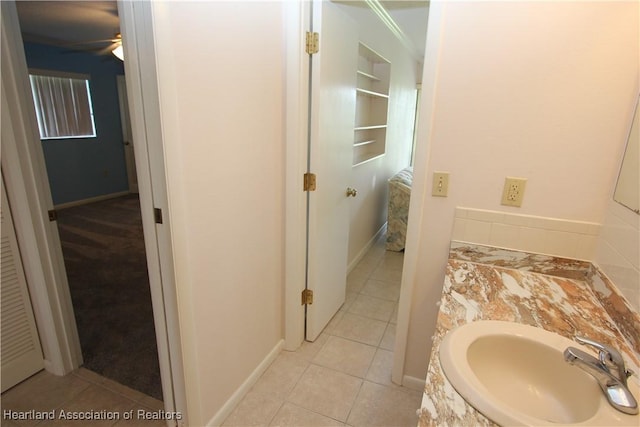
385, 274
8, 423
394, 316
89, 375
334, 321
389, 338
283, 374
295, 416
370, 261
151, 403
308, 350
42, 392
356, 280
361, 329
346, 356
123, 390
94, 400
381, 289
379, 405
325, 391
255, 409
372, 307
392, 260
349, 299
381, 367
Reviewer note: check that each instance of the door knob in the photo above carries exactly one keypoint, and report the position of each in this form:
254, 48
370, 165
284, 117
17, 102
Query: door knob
351, 192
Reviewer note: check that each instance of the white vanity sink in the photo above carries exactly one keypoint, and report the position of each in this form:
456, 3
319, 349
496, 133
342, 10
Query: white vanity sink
515, 374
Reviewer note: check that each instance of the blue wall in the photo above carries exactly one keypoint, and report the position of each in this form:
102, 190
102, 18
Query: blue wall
84, 168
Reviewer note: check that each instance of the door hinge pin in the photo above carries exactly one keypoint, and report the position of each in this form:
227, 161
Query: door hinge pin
307, 297
309, 183
312, 43
53, 215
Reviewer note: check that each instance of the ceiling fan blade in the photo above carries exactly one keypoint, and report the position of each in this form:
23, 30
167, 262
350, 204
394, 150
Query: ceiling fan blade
108, 49
91, 42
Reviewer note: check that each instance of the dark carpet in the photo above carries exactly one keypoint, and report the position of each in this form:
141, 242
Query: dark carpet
104, 256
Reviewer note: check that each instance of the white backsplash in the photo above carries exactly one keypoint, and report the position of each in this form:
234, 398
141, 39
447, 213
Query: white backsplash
551, 236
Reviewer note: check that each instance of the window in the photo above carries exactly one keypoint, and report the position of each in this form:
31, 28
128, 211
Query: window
63, 105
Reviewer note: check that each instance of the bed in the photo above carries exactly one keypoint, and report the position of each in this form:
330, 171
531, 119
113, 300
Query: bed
398, 211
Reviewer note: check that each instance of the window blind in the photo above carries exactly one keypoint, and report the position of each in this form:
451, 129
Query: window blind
63, 107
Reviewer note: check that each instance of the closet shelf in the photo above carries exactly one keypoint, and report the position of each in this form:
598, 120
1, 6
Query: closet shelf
360, 144
372, 106
358, 128
367, 75
371, 93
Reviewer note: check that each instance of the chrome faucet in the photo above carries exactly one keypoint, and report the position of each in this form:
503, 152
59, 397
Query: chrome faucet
609, 370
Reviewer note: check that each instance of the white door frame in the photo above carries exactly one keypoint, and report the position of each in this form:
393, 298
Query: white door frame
27, 187
297, 22
136, 26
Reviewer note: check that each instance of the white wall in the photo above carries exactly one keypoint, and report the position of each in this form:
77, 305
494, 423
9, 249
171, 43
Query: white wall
369, 208
539, 90
220, 70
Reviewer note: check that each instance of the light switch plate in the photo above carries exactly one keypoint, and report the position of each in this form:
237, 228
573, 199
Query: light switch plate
440, 184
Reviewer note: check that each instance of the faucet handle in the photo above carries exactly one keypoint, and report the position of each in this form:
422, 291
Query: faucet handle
608, 356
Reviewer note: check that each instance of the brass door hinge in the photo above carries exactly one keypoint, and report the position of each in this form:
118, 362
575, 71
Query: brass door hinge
309, 182
53, 215
312, 43
307, 297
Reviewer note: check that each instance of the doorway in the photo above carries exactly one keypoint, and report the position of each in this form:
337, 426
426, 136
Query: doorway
101, 235
105, 261
366, 214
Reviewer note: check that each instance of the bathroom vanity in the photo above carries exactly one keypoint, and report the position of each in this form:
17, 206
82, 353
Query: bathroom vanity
568, 297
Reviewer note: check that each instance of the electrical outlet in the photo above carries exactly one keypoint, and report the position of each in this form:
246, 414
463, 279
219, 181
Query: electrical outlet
440, 184
513, 191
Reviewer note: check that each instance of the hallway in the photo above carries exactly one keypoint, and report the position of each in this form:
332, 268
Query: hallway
344, 377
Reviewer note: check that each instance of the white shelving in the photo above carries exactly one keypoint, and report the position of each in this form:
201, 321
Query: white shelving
371, 93
372, 105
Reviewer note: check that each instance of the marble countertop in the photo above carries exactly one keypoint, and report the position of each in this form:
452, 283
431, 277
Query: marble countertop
568, 297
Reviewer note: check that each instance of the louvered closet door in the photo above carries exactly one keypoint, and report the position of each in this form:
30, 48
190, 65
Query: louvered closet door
21, 351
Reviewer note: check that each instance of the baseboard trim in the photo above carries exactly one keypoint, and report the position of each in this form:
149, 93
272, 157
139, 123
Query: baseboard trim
413, 383
366, 248
91, 200
237, 396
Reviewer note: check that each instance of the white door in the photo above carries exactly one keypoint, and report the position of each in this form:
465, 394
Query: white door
333, 99
21, 351
127, 139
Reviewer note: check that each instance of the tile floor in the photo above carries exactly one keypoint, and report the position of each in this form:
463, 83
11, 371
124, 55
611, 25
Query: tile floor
341, 379
79, 392
344, 377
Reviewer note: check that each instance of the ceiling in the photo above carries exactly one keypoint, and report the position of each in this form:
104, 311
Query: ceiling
66, 22
409, 15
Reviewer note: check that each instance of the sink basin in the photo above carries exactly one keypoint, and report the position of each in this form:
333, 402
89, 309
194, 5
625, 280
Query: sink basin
515, 374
